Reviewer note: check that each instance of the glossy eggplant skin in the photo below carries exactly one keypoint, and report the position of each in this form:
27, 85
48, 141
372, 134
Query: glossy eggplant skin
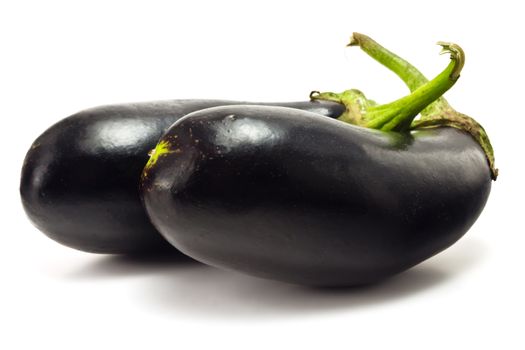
80, 178
288, 195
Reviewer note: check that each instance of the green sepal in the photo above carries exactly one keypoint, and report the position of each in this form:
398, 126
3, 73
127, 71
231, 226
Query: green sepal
438, 113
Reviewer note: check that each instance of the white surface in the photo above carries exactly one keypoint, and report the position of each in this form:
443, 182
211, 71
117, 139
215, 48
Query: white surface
61, 57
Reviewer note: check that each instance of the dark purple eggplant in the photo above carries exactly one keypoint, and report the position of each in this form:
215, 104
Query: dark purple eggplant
289, 195
80, 178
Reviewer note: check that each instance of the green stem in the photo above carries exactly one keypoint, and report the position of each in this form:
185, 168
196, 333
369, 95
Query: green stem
407, 72
397, 115
438, 113
410, 75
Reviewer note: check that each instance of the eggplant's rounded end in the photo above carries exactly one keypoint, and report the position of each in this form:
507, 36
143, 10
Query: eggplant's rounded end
78, 194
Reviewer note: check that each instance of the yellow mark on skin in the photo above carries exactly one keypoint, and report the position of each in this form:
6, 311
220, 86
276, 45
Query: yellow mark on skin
162, 149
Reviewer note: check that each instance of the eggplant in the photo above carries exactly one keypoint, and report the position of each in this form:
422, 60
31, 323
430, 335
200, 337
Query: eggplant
80, 178
292, 196
286, 194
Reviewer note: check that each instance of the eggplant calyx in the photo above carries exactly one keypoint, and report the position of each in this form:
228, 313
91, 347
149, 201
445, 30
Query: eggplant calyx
354, 100
438, 113
397, 115
452, 118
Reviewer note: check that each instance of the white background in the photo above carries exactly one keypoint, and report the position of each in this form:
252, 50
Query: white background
60, 57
